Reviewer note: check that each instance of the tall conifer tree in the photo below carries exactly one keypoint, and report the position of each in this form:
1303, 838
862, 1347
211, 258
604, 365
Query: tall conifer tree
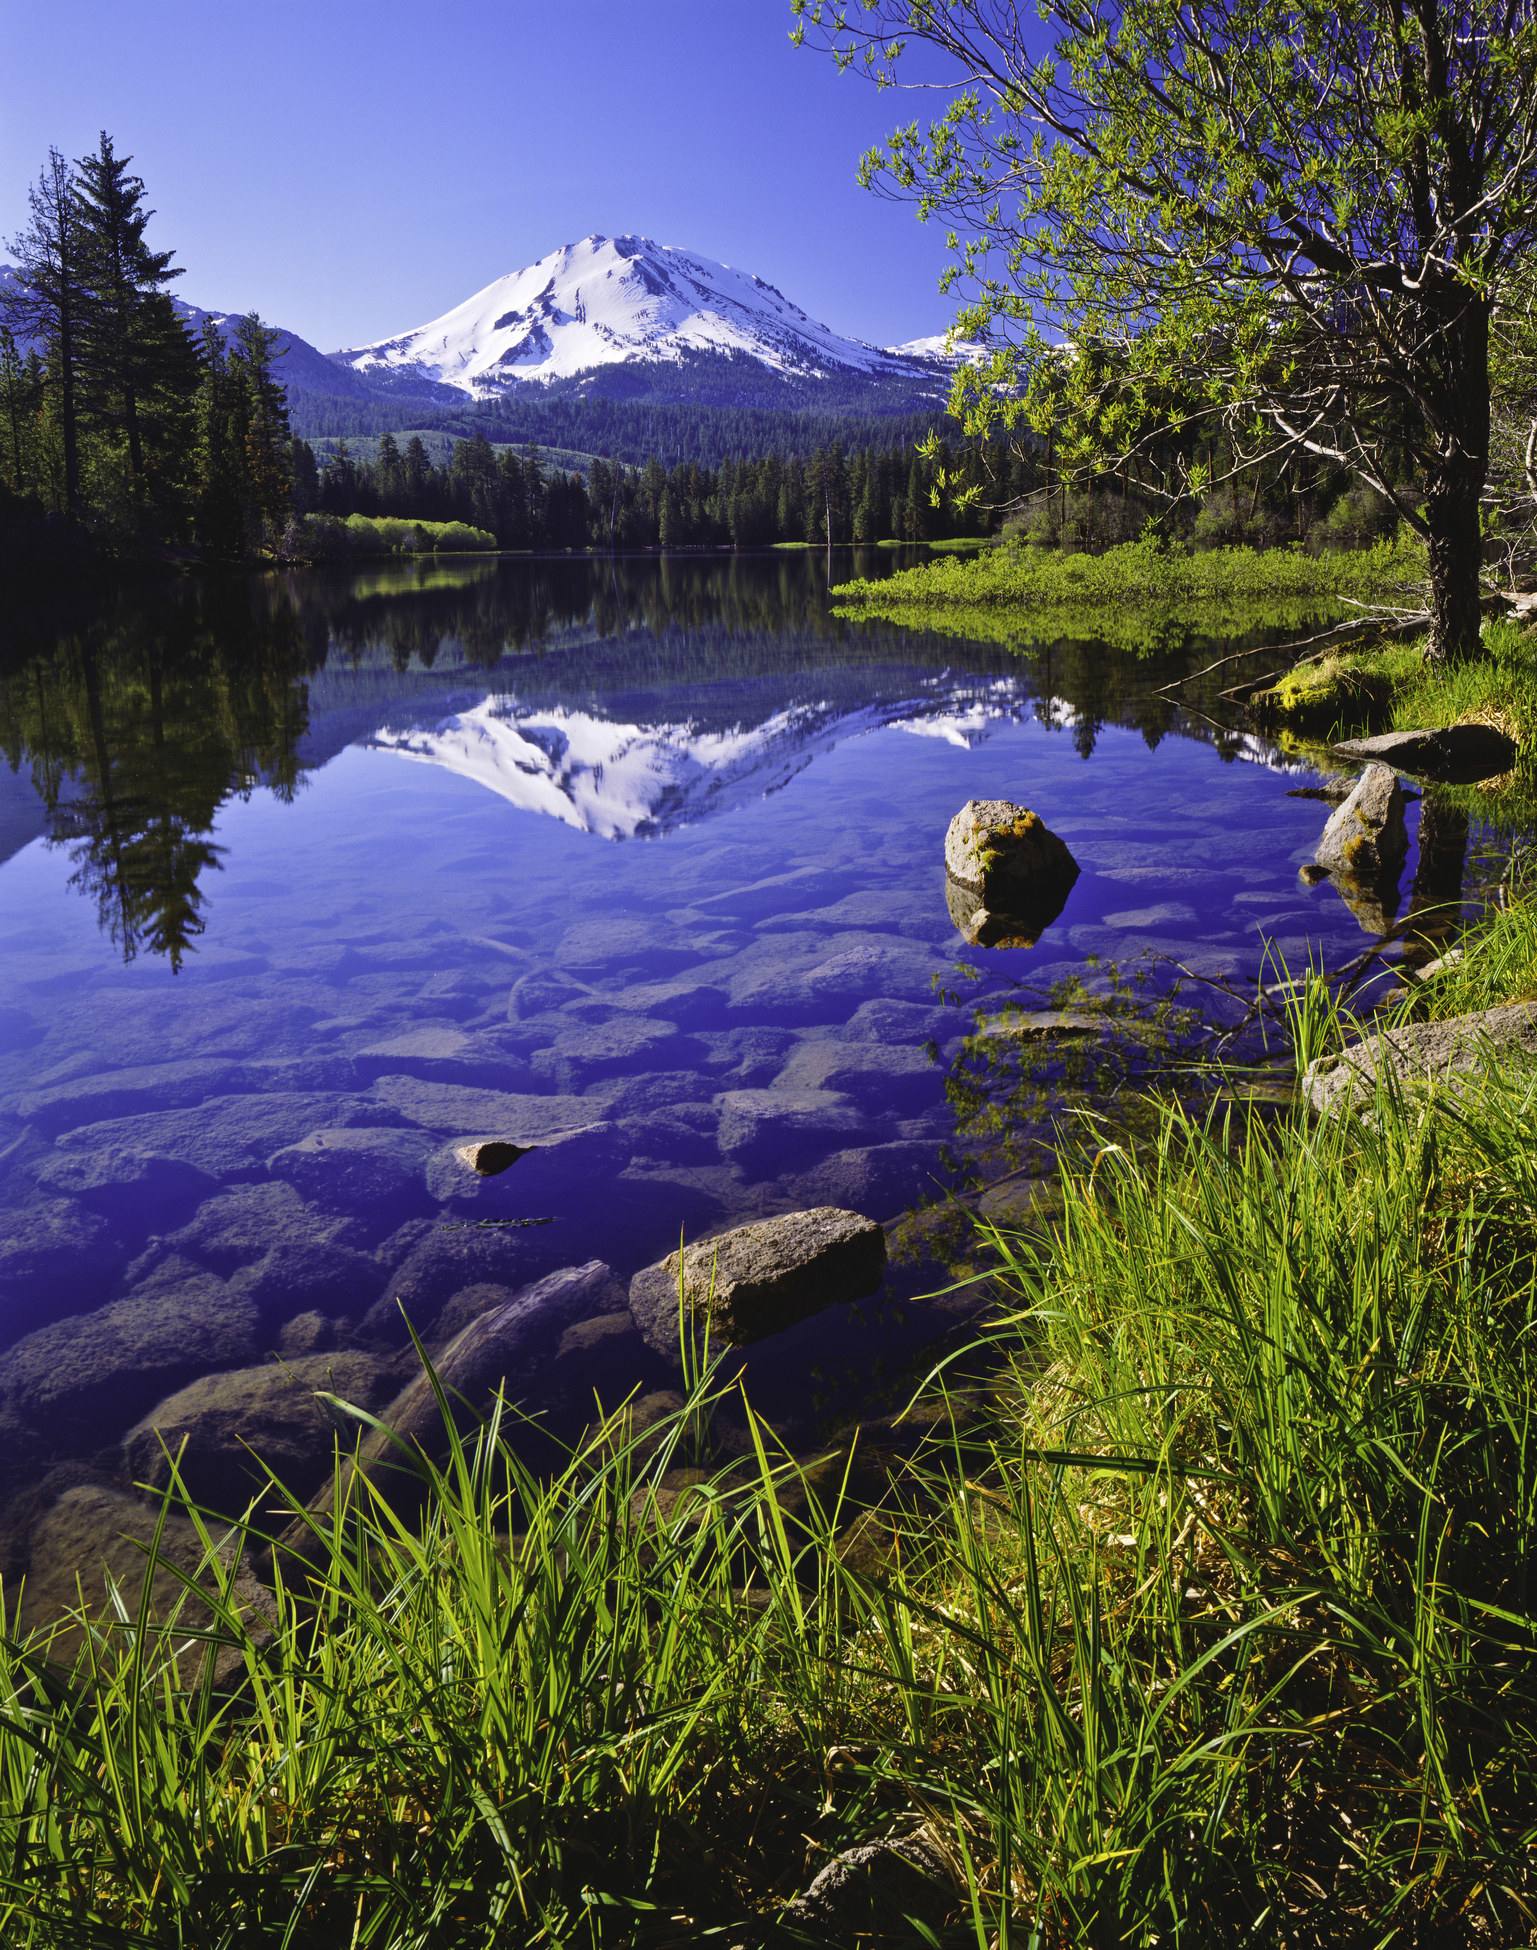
46, 298
130, 346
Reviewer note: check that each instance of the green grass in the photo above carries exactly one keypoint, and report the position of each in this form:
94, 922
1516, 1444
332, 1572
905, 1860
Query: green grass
1134, 596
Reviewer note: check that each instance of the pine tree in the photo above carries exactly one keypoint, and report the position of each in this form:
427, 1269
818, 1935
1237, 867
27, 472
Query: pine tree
262, 409
306, 477
46, 297
219, 523
128, 346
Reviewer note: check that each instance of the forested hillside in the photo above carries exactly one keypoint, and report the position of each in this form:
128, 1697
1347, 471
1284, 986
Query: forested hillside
874, 494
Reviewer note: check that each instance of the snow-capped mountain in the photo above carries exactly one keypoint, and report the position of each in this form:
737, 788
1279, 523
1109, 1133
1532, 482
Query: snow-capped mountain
940, 351
616, 301
623, 780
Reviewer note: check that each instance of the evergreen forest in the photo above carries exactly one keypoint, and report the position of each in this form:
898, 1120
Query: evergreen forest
121, 432
870, 495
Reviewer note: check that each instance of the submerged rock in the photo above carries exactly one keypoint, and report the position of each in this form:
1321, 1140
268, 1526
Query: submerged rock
526, 1173
539, 1349
1365, 840
357, 1170
759, 1279
234, 1423
1455, 754
56, 1257
82, 1381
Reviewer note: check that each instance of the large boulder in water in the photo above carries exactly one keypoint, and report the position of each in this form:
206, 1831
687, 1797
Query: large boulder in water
759, 1279
1007, 875
1365, 840
1003, 852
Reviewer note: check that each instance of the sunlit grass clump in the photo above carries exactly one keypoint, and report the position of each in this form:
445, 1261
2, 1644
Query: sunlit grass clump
1139, 596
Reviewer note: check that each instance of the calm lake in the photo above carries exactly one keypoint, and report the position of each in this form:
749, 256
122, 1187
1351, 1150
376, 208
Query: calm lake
649, 850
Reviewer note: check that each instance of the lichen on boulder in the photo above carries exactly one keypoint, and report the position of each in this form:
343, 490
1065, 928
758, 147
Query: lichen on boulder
998, 849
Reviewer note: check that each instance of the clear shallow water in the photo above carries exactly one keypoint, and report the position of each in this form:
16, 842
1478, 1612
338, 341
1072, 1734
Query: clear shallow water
649, 851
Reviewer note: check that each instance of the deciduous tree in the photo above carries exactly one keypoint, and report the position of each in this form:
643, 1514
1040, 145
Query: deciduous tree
1300, 214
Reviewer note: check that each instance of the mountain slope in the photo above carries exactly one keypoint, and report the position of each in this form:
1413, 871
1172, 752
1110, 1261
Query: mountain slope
627, 302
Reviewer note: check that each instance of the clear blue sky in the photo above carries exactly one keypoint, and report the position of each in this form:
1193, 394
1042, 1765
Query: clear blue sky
350, 170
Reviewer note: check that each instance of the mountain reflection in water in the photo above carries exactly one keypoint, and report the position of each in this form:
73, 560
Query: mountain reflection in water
624, 697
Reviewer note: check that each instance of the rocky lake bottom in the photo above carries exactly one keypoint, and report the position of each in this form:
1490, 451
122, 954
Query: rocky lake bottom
308, 880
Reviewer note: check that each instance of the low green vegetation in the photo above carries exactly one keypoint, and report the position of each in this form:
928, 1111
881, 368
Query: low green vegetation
1203, 1614
325, 538
1140, 596
1342, 691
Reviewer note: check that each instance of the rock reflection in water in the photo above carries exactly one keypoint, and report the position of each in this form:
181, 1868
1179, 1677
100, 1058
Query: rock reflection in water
1028, 918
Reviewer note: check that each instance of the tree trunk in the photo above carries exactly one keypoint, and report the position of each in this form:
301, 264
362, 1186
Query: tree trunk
1454, 483
1455, 553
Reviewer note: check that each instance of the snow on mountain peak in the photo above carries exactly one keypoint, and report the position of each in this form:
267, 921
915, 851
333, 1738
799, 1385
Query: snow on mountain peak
608, 300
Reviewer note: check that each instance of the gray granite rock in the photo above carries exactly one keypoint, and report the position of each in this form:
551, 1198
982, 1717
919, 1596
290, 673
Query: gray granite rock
1428, 1052
758, 1279
357, 1171
235, 1422
1366, 840
1458, 754
1002, 853
82, 1381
